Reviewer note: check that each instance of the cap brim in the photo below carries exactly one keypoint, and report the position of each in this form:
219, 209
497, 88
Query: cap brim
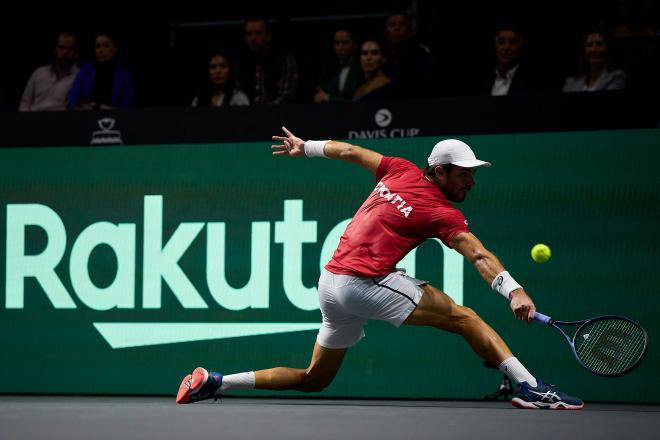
471, 163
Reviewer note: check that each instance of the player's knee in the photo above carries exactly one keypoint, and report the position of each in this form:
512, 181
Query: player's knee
312, 383
466, 318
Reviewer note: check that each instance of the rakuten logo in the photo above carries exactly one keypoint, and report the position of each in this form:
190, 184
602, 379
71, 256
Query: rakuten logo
160, 263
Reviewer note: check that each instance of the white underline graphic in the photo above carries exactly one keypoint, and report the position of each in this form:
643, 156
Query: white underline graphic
140, 334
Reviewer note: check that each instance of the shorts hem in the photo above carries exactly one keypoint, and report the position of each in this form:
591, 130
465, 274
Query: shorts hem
337, 346
405, 315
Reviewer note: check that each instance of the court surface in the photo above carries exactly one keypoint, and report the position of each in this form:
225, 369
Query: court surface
87, 417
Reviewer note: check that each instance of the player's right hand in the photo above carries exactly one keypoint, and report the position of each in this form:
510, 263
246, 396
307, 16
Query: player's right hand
291, 145
522, 305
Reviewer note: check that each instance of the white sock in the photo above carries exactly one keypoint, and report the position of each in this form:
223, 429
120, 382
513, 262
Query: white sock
516, 371
239, 381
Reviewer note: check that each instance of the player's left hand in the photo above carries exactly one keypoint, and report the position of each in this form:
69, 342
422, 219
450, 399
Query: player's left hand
291, 145
522, 305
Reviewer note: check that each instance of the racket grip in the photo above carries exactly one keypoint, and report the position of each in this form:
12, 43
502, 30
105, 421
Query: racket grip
542, 318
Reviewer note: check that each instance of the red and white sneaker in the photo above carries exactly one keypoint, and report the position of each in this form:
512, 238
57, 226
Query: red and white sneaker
200, 385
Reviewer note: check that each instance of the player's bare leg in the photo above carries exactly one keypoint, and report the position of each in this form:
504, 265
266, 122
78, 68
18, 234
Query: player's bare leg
203, 384
436, 309
323, 368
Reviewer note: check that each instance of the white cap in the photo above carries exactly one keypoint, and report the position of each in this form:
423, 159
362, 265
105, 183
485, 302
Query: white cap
455, 152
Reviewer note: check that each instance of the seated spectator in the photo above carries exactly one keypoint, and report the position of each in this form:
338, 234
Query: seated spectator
594, 69
102, 84
265, 73
219, 88
372, 60
512, 74
409, 63
49, 86
633, 44
340, 78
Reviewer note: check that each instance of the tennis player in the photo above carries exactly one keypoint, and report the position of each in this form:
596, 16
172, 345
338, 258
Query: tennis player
407, 206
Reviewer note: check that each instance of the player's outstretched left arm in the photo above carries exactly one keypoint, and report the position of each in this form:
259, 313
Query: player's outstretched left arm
296, 147
493, 272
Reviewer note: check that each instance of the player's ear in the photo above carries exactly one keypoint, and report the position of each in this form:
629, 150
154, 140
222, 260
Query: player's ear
439, 172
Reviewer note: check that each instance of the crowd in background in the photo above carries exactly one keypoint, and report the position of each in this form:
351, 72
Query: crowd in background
389, 63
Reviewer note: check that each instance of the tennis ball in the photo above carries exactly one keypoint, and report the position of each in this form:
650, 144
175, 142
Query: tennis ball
541, 253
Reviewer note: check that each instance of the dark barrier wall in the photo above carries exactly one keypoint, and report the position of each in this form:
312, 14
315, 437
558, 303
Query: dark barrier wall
356, 120
126, 267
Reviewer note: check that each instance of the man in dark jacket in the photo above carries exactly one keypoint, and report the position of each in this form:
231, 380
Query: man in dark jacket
264, 73
512, 74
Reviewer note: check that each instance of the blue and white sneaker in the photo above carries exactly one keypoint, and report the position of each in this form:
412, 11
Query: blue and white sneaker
200, 385
544, 396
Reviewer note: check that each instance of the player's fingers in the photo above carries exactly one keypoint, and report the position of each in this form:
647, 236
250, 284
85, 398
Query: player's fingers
280, 153
278, 147
288, 133
279, 138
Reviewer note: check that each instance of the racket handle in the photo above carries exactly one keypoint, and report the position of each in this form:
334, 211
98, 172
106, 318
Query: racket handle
542, 318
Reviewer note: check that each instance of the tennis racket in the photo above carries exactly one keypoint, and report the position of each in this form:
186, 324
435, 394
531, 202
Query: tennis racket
607, 345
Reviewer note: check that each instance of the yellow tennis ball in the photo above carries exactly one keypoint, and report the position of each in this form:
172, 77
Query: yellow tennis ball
541, 253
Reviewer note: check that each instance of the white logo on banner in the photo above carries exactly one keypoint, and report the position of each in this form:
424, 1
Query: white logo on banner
383, 117
106, 135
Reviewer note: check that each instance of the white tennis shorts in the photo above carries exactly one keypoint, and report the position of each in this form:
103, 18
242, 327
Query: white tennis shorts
348, 301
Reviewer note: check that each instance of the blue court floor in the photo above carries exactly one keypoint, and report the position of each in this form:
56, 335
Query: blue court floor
87, 417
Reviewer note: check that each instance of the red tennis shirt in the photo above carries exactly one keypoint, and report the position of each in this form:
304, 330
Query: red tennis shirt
400, 213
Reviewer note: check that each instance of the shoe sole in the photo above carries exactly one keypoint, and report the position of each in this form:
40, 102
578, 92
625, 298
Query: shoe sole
191, 384
519, 403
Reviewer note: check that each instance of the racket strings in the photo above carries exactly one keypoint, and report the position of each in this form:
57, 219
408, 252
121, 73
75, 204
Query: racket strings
610, 346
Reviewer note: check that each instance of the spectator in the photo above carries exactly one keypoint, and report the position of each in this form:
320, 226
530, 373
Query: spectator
219, 88
409, 63
594, 69
634, 44
512, 74
340, 78
372, 60
49, 86
103, 84
265, 73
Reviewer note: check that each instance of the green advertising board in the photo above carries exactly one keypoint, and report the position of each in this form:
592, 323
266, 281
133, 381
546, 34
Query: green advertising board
126, 267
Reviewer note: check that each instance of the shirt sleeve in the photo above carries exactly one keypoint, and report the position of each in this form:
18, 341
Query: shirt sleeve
127, 91
76, 92
449, 224
28, 94
391, 165
288, 82
617, 82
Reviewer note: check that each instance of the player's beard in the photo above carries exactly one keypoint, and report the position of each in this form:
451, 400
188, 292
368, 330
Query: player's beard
456, 196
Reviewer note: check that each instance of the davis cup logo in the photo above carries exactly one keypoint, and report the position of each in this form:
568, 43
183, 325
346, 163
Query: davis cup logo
383, 117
